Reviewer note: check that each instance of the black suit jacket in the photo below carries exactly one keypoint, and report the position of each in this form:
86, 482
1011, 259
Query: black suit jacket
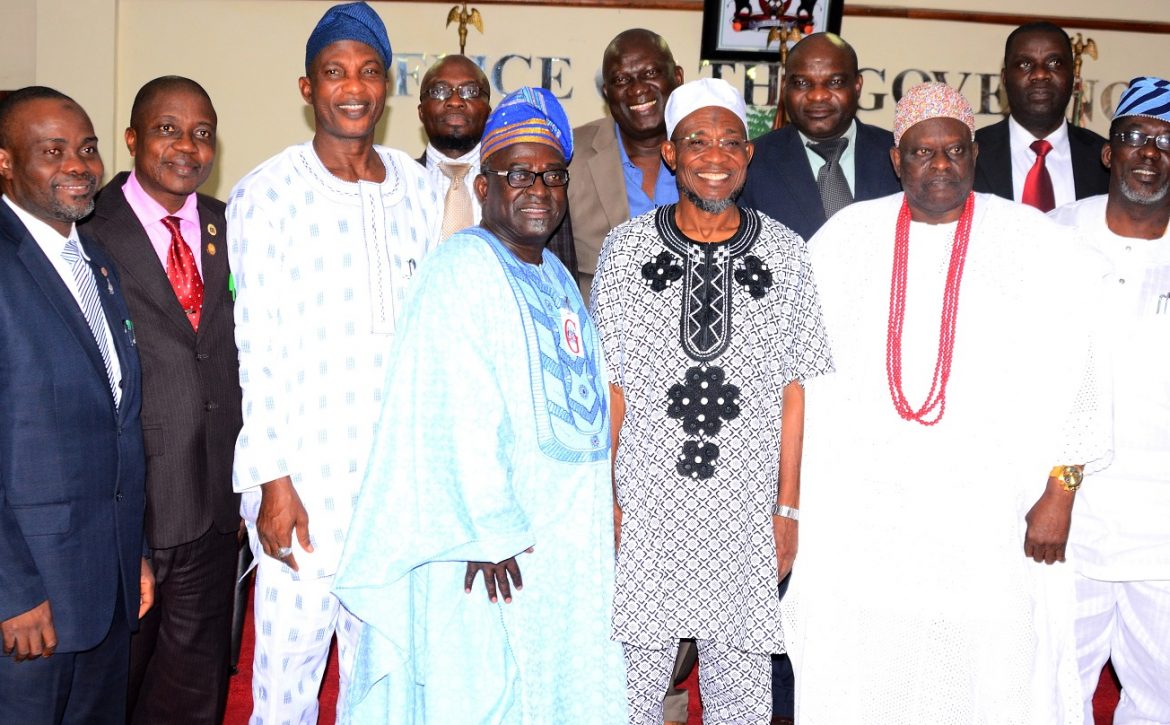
993, 168
71, 465
191, 385
781, 184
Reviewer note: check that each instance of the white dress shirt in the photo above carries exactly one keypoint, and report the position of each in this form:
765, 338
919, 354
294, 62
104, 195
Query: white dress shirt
441, 183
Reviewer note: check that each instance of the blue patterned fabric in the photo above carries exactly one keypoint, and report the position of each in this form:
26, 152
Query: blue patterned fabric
349, 21
1146, 96
528, 115
494, 437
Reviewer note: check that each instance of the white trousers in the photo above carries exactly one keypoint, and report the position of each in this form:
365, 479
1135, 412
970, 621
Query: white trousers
295, 623
1128, 622
736, 685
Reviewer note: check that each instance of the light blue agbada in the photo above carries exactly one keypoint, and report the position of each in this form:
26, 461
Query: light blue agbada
494, 437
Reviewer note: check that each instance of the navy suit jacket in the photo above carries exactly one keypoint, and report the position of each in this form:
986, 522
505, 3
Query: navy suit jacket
71, 465
780, 182
993, 168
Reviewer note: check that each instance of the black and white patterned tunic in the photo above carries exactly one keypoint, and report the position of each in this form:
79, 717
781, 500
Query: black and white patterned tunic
702, 338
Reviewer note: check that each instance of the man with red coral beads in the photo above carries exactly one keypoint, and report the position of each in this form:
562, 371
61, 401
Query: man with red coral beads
931, 587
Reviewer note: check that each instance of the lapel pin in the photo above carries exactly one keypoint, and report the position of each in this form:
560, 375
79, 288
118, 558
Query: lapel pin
212, 230
211, 248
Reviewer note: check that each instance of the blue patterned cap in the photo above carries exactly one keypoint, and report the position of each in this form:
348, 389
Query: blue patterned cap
529, 115
1146, 96
351, 21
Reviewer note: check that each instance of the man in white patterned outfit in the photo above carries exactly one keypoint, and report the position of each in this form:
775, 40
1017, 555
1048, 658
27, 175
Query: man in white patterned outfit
1120, 538
324, 238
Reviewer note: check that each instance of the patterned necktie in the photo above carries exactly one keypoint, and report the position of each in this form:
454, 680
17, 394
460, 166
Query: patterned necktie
91, 307
834, 188
457, 205
1038, 184
183, 273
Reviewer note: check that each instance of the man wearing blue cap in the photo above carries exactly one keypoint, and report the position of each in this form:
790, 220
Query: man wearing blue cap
324, 238
1120, 540
492, 459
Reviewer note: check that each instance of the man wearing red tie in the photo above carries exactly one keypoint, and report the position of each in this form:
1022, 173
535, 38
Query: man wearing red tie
169, 244
1034, 156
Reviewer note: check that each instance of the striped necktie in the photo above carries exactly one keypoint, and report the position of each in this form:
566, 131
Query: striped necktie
91, 307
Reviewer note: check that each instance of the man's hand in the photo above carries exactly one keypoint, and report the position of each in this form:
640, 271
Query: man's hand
281, 511
31, 634
145, 589
495, 576
1048, 523
784, 530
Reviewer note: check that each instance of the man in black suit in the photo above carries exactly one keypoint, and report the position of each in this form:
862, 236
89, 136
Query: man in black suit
823, 140
1038, 78
73, 579
150, 221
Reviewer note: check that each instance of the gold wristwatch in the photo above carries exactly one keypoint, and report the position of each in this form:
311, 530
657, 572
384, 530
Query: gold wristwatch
1070, 477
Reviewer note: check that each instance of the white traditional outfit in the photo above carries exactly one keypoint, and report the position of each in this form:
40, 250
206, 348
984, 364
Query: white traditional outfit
321, 267
702, 338
913, 601
494, 438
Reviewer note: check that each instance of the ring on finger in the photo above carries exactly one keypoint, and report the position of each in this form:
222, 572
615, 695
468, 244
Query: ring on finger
284, 552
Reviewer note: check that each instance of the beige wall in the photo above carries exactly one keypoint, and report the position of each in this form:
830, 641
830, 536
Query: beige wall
249, 53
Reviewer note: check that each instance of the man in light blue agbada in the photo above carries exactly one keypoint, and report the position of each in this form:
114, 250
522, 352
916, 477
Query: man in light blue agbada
492, 459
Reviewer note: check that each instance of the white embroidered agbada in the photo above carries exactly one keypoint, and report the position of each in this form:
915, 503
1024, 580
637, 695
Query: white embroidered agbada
912, 599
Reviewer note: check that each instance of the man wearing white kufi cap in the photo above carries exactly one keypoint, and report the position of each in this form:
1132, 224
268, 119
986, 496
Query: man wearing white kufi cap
1120, 540
710, 325
931, 587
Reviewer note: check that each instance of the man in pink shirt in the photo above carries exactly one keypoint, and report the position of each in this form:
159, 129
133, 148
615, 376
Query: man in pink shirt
170, 246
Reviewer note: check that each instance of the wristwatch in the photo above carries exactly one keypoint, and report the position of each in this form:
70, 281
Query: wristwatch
1070, 477
786, 511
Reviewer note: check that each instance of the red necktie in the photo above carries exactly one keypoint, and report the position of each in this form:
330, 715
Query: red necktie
1038, 185
183, 273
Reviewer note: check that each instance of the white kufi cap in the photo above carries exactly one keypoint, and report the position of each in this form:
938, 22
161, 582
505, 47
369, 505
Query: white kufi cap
703, 93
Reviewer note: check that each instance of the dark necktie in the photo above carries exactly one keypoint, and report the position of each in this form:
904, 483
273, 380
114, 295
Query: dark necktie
1038, 184
831, 182
183, 273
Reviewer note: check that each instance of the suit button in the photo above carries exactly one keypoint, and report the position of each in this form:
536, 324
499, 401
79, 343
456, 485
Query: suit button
211, 406
118, 497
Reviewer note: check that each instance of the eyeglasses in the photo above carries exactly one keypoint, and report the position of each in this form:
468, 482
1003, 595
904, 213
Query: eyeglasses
442, 91
1137, 139
521, 179
701, 144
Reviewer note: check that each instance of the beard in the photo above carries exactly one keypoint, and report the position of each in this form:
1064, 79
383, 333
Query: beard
1136, 196
451, 144
711, 206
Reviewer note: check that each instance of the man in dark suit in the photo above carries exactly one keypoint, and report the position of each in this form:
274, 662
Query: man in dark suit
1038, 78
73, 580
617, 170
149, 221
820, 91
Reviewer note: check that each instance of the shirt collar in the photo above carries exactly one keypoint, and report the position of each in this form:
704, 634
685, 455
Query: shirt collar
1023, 137
150, 211
48, 238
436, 157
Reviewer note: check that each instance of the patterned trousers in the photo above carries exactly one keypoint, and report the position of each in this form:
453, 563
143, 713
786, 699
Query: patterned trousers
295, 622
1128, 622
736, 685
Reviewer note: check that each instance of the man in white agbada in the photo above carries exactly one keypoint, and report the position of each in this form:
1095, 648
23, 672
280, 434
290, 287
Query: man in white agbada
1120, 539
492, 458
962, 336
324, 238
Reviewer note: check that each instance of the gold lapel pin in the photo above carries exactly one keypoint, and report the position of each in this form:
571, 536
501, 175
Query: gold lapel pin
212, 230
211, 248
